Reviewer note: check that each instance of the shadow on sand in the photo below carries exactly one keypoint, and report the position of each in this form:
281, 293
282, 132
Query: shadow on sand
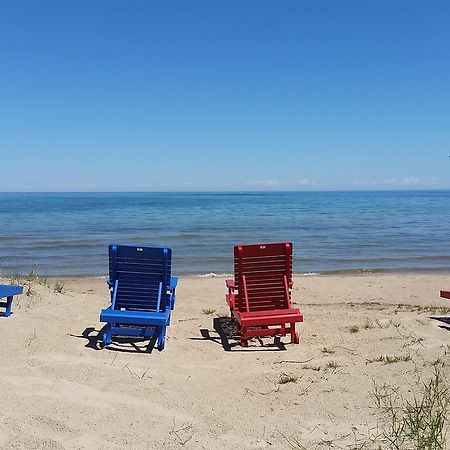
444, 319
225, 327
119, 344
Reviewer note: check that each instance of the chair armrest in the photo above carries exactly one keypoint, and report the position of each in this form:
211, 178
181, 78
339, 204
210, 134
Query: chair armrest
230, 284
114, 294
173, 283
171, 292
231, 300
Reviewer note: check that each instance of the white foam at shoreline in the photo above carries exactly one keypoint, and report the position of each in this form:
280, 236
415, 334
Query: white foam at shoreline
214, 275
223, 275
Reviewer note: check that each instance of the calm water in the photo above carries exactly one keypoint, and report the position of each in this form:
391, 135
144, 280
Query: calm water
68, 234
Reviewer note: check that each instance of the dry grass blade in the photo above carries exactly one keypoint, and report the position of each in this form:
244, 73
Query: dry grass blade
417, 424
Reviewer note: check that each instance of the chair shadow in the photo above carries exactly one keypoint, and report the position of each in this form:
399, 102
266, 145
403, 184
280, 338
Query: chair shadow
226, 329
443, 319
119, 344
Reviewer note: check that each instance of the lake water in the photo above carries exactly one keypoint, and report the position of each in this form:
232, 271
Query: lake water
68, 233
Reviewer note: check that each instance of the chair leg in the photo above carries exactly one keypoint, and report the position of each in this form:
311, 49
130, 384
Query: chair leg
161, 338
107, 335
8, 306
244, 337
295, 338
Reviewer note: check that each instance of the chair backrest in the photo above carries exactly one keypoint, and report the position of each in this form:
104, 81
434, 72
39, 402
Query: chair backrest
142, 273
264, 272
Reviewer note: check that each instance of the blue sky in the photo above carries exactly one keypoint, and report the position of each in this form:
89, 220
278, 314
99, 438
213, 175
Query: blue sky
236, 95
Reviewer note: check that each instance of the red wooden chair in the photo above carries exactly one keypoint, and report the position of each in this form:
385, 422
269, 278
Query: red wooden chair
260, 294
445, 294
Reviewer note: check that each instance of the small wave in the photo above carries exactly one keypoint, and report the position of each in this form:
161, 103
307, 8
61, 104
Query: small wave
310, 274
354, 271
214, 275
386, 270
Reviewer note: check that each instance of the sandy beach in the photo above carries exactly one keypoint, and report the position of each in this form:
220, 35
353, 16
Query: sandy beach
59, 390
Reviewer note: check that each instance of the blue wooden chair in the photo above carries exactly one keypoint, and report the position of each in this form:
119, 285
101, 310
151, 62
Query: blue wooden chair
8, 291
142, 293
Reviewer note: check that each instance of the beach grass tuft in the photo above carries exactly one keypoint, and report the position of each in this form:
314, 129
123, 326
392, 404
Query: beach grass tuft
419, 423
389, 359
368, 324
353, 329
333, 365
315, 368
286, 378
208, 312
425, 309
58, 287
32, 275
30, 291
328, 350
27, 279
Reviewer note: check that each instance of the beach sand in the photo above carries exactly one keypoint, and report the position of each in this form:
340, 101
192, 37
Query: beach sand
59, 390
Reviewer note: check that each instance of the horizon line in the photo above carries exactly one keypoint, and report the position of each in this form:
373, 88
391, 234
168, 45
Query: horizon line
235, 191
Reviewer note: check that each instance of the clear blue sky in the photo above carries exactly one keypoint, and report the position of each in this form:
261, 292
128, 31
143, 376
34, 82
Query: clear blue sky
231, 95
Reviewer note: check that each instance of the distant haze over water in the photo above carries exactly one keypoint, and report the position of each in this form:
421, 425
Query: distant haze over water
68, 233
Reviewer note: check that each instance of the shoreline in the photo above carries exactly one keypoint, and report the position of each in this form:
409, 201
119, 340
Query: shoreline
327, 273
